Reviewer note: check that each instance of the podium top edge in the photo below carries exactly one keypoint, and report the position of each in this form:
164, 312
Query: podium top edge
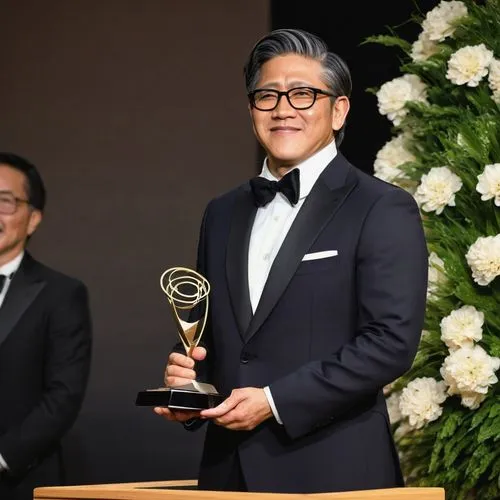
158, 490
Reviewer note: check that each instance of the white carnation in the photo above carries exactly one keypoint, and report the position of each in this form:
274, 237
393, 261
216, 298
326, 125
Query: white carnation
469, 65
393, 408
390, 157
470, 371
420, 401
483, 258
436, 275
423, 47
437, 189
496, 96
489, 183
494, 76
462, 327
393, 96
439, 22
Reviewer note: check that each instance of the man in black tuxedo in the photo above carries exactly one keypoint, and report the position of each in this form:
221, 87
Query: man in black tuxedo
45, 342
318, 275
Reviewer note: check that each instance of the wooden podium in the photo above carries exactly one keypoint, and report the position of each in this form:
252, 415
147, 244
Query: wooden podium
186, 490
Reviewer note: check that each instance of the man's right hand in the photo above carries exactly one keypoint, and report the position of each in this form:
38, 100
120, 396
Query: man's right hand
180, 371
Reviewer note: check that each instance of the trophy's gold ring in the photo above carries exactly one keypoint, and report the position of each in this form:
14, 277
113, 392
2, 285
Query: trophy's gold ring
177, 283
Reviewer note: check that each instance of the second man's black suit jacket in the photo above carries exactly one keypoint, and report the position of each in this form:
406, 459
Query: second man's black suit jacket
45, 352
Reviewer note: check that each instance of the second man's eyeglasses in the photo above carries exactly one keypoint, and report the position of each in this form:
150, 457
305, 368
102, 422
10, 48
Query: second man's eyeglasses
9, 203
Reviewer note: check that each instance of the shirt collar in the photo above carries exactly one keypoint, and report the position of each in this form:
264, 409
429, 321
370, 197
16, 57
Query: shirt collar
310, 169
12, 266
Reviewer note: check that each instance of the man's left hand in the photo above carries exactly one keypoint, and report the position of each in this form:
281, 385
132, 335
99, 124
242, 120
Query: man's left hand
243, 410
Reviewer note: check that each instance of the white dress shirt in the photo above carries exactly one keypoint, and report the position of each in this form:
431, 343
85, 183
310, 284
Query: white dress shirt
271, 225
8, 270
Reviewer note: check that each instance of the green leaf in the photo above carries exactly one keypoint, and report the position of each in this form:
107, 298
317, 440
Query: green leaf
389, 41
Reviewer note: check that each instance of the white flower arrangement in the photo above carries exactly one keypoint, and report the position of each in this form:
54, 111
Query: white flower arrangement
454, 68
393, 96
469, 372
483, 257
462, 327
437, 190
489, 183
421, 400
388, 160
423, 47
469, 65
439, 23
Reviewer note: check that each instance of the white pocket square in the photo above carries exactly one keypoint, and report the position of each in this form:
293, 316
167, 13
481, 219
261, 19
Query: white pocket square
320, 255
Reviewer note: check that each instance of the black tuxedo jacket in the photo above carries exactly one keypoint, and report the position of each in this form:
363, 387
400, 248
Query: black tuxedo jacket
45, 348
327, 334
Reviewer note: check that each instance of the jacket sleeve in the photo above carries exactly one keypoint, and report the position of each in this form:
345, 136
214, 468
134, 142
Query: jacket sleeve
66, 371
391, 284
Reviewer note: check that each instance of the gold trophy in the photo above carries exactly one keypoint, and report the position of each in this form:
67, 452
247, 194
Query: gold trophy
187, 293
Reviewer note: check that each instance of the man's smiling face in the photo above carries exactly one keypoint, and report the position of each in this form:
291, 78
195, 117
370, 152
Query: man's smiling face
288, 135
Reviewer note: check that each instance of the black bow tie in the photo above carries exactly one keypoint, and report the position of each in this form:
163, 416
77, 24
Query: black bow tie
264, 190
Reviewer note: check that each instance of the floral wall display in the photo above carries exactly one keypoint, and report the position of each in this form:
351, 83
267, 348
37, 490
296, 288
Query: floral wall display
445, 150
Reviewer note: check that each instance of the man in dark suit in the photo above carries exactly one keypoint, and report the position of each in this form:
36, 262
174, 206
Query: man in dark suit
45, 342
318, 274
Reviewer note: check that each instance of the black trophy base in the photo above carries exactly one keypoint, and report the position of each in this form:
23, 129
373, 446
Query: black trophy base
185, 397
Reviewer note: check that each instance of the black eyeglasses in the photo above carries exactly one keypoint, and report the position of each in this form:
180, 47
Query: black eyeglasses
9, 203
299, 98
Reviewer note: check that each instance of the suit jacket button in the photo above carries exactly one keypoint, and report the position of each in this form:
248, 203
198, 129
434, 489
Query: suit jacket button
244, 358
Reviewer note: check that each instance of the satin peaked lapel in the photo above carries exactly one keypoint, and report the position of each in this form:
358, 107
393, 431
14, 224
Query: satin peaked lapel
244, 212
22, 292
326, 197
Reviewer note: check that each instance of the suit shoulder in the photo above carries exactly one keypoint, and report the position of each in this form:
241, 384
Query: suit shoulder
373, 188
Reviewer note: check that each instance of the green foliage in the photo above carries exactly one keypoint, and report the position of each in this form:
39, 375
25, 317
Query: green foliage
458, 127
390, 41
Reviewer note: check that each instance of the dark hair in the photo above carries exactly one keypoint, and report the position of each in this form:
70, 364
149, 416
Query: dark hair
336, 75
35, 188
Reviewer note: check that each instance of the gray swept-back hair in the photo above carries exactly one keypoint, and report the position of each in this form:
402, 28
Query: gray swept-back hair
336, 75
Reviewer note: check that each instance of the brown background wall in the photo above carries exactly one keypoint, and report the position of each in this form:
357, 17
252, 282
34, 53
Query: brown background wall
135, 113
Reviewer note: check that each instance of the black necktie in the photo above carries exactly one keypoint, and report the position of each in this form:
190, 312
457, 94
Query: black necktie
2, 281
265, 190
